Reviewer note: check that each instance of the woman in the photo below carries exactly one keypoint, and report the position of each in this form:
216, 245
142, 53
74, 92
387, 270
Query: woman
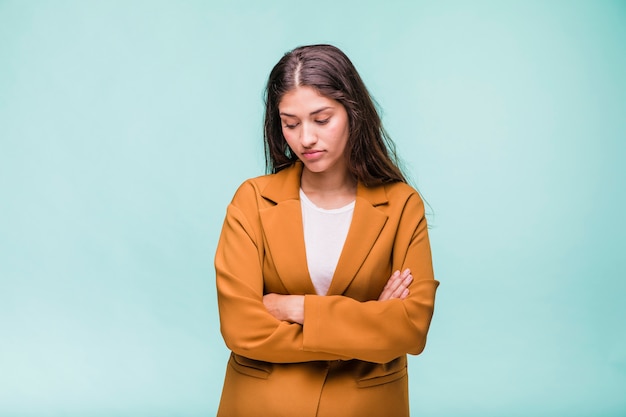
324, 271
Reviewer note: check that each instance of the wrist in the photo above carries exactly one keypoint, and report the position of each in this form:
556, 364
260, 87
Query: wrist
296, 309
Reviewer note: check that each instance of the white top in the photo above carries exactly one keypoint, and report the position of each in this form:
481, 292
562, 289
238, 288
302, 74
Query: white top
325, 232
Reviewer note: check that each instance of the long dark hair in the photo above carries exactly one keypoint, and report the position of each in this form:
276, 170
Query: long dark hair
370, 152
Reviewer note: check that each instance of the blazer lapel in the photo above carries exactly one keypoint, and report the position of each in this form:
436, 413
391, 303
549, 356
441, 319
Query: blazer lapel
367, 223
282, 225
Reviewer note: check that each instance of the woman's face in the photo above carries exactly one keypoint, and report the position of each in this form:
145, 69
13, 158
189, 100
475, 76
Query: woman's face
316, 129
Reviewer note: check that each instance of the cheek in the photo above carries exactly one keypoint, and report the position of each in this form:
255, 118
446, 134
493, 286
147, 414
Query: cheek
289, 136
342, 127
341, 133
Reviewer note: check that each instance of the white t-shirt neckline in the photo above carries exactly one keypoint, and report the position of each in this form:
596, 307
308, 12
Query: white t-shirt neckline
305, 200
325, 232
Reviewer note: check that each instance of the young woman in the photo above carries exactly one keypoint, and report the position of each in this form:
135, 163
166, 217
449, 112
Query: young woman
324, 271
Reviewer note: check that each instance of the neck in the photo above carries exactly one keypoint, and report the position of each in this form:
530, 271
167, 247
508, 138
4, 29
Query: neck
326, 183
328, 191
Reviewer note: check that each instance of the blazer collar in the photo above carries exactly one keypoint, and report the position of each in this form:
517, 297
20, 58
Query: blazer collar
283, 228
285, 185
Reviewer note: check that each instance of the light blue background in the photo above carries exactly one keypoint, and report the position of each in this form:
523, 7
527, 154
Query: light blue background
125, 127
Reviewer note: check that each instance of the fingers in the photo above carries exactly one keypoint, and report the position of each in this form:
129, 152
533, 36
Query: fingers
397, 286
392, 285
403, 282
285, 307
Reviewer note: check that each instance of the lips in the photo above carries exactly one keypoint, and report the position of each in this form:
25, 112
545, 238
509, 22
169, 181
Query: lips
314, 154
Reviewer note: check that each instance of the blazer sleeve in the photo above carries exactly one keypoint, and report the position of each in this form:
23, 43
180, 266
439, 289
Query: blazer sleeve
379, 331
246, 325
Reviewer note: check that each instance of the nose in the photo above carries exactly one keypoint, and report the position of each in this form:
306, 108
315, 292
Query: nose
308, 136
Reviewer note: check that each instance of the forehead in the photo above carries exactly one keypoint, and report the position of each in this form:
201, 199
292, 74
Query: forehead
304, 99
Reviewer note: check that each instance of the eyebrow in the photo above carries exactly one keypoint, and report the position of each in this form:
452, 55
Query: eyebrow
310, 114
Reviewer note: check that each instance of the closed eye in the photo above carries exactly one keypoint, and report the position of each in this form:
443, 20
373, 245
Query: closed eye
290, 126
323, 121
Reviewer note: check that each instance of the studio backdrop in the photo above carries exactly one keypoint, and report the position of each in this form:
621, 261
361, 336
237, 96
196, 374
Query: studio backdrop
126, 127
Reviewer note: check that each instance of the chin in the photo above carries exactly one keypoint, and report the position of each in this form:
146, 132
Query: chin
315, 168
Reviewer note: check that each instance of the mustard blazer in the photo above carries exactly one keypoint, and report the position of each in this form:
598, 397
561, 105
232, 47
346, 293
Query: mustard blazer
349, 357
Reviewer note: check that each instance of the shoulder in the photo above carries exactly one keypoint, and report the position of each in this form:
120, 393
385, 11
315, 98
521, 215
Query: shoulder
250, 190
395, 200
400, 190
403, 200
256, 183
402, 194
267, 190
390, 196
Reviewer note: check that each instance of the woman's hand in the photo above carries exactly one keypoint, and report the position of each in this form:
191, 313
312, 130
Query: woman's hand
291, 307
285, 307
397, 286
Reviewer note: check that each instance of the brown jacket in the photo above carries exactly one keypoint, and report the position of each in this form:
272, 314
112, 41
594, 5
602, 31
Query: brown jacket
349, 357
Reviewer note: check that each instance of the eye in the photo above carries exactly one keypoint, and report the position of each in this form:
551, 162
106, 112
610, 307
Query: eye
290, 126
323, 121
